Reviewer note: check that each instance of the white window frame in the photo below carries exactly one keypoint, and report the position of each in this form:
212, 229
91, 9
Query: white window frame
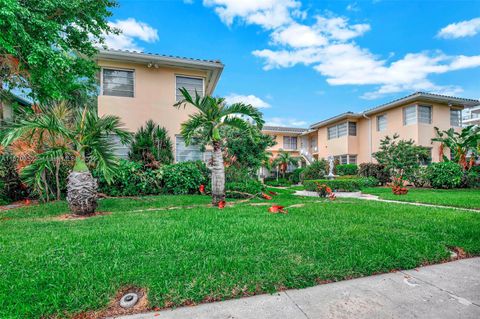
404, 118
118, 69
459, 124
290, 138
189, 76
386, 122
418, 113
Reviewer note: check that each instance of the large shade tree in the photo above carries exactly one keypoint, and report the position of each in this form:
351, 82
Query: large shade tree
463, 144
212, 114
80, 134
48, 46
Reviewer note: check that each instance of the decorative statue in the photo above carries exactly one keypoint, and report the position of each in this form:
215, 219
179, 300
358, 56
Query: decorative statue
330, 168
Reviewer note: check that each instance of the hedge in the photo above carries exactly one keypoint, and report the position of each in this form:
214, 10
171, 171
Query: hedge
346, 169
342, 185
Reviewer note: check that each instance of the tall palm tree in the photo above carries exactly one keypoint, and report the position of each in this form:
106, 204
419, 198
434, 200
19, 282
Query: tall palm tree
212, 113
83, 135
462, 144
283, 160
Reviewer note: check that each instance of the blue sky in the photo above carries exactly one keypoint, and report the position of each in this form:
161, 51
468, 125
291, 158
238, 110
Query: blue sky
303, 61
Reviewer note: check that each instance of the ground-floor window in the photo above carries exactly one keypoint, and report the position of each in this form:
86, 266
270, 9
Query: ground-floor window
120, 150
345, 159
191, 152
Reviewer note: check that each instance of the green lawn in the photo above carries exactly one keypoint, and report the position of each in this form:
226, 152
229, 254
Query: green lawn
50, 267
468, 198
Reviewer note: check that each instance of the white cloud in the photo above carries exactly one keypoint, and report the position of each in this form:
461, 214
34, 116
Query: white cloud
460, 29
131, 30
247, 99
328, 46
266, 13
285, 122
353, 7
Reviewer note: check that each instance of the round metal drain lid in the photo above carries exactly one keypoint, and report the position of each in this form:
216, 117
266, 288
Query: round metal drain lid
129, 300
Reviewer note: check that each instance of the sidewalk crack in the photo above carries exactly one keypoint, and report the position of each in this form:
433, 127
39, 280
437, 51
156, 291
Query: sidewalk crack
454, 295
299, 308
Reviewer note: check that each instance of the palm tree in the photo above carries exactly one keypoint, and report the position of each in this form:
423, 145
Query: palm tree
151, 145
283, 160
212, 114
83, 135
462, 144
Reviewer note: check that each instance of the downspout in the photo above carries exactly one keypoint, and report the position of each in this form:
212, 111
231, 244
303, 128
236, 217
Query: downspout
369, 134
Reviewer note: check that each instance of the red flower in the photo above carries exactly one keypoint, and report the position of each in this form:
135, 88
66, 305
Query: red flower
202, 189
277, 209
221, 204
267, 197
272, 193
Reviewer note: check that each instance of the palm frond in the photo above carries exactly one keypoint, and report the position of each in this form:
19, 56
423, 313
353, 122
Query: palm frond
246, 110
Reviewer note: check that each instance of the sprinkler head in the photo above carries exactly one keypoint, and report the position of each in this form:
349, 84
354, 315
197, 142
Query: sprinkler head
129, 300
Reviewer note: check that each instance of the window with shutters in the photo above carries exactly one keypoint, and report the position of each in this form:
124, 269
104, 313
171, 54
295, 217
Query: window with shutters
381, 123
118, 82
410, 115
352, 128
185, 153
425, 114
290, 142
191, 84
455, 117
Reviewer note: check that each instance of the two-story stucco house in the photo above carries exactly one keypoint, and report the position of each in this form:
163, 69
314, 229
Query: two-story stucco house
354, 137
138, 87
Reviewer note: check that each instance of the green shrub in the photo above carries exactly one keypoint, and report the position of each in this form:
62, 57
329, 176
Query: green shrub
11, 187
375, 170
237, 174
342, 185
419, 177
295, 175
244, 189
444, 175
316, 170
473, 177
281, 182
347, 169
184, 177
131, 179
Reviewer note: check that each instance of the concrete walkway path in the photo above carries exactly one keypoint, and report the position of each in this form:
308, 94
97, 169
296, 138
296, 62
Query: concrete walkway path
360, 195
450, 290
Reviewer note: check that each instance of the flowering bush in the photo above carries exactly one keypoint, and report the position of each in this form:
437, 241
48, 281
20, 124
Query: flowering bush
325, 191
398, 186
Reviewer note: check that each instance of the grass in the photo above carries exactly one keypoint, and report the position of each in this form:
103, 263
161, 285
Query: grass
50, 267
467, 198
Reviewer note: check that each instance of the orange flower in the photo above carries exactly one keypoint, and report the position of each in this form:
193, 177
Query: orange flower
267, 197
221, 204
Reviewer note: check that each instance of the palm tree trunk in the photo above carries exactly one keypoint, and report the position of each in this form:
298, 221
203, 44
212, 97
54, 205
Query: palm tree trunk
218, 175
57, 177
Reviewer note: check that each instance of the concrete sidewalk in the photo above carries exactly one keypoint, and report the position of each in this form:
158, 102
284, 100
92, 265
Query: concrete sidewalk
450, 290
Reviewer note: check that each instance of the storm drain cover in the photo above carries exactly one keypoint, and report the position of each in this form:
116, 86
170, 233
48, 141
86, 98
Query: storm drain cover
129, 300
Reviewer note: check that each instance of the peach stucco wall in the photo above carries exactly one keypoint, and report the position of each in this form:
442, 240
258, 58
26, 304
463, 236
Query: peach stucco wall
360, 145
153, 98
279, 141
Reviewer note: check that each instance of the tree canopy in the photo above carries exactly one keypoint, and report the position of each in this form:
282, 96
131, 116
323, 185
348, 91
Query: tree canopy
48, 46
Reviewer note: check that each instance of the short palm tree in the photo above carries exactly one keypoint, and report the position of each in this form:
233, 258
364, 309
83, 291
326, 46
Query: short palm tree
283, 160
212, 113
462, 144
83, 135
151, 145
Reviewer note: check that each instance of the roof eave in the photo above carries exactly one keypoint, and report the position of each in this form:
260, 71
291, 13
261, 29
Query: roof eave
335, 119
214, 69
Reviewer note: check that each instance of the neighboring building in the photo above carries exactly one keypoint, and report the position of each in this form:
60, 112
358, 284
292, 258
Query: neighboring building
7, 103
354, 137
471, 116
138, 87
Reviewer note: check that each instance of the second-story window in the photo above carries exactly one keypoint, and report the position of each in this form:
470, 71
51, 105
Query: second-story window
455, 117
290, 142
191, 84
342, 129
381, 123
352, 128
410, 115
118, 82
425, 114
